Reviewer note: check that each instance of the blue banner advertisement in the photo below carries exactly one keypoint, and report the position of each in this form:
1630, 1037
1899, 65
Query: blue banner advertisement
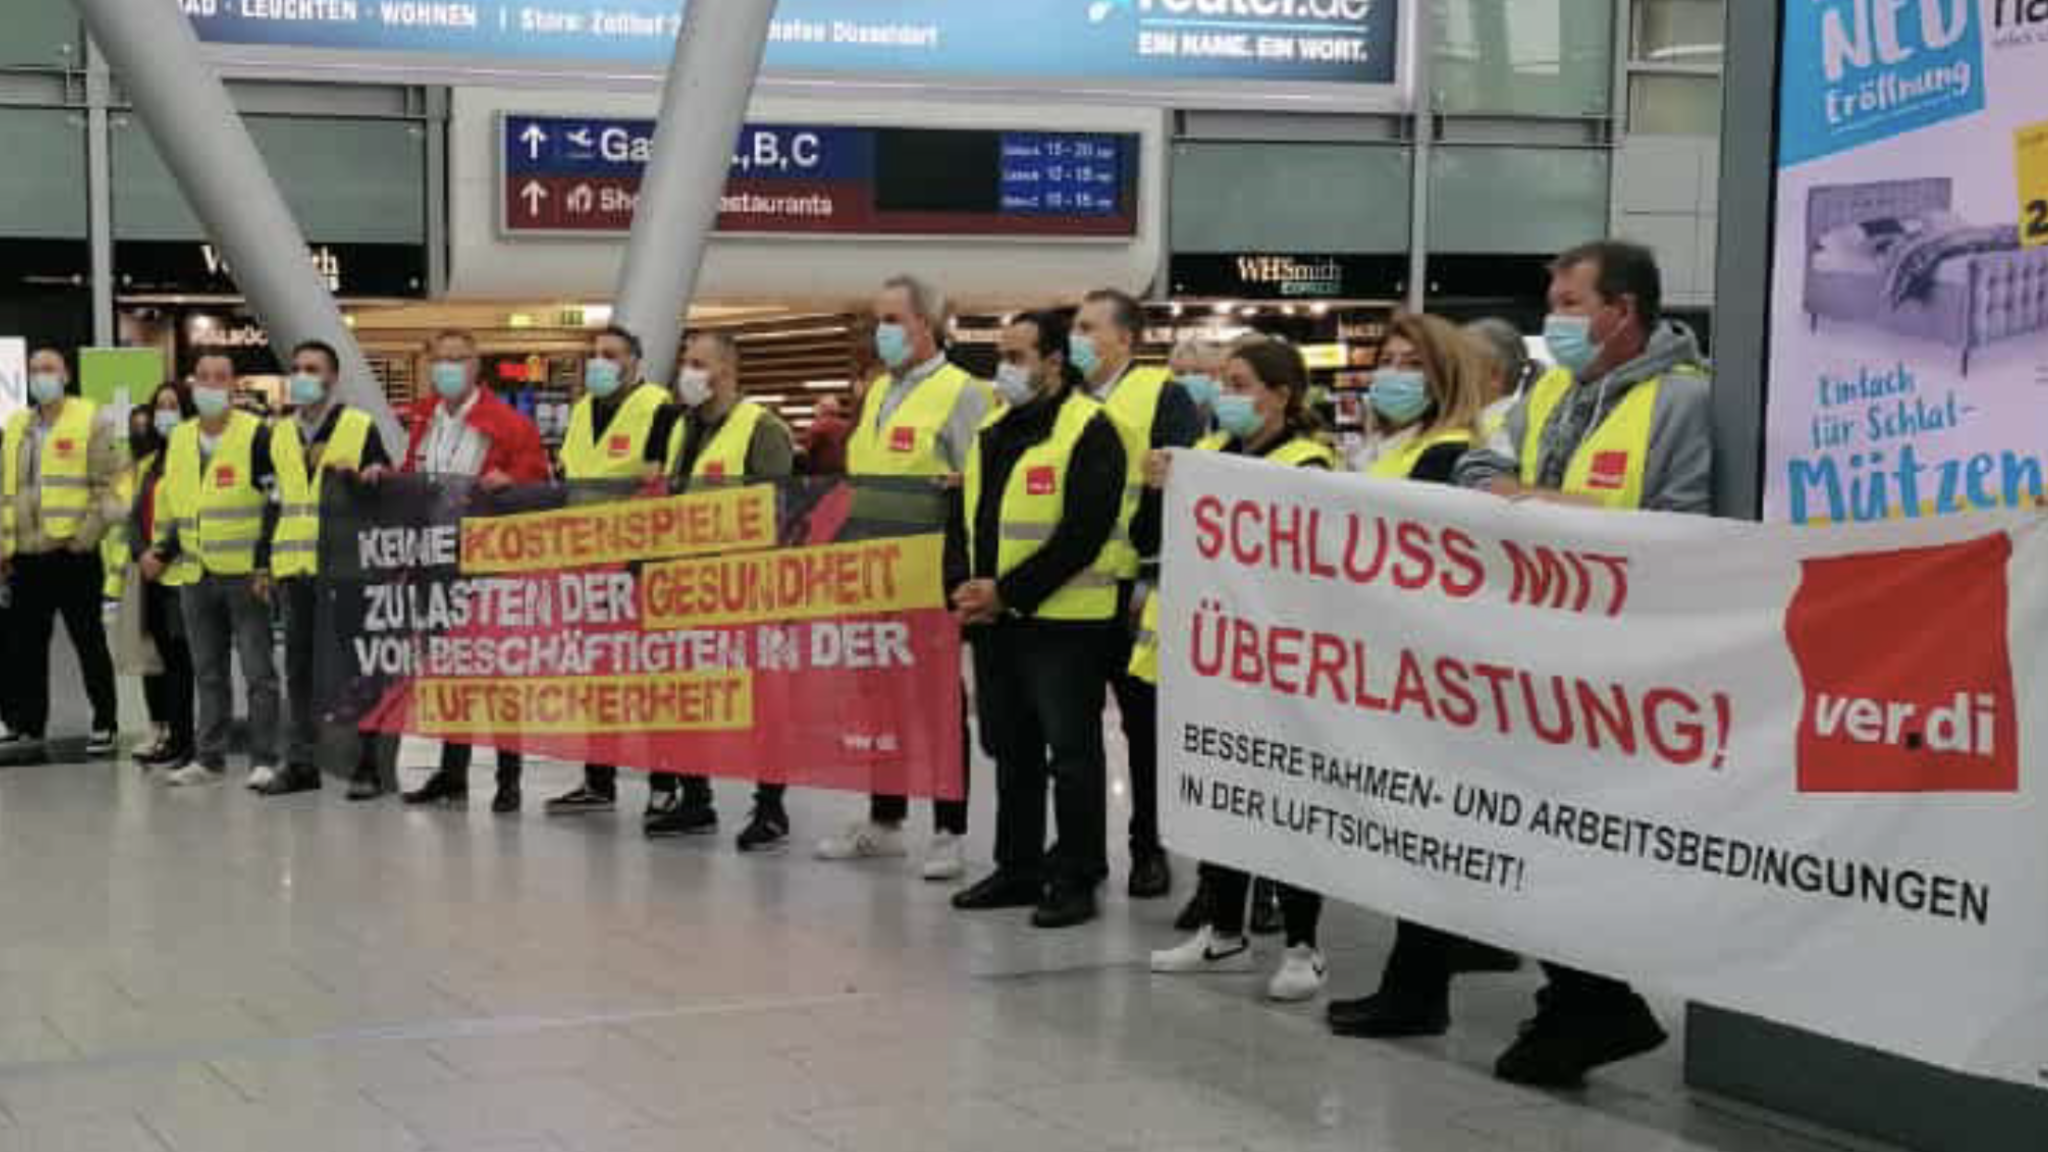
1909, 322
1349, 42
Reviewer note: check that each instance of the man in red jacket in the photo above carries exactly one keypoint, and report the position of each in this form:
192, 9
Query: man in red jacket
463, 429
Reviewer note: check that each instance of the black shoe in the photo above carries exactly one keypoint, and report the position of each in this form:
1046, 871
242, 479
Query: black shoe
440, 788
102, 742
169, 756
1472, 957
580, 801
767, 830
1267, 918
1198, 911
1561, 1045
1388, 1016
1000, 890
1151, 875
362, 789
18, 747
688, 818
292, 781
507, 801
661, 803
1065, 906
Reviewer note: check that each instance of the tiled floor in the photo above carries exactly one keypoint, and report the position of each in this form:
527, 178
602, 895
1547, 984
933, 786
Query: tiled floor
208, 972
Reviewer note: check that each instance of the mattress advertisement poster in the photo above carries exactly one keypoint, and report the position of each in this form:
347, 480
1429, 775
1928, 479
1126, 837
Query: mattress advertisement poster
1118, 42
1909, 348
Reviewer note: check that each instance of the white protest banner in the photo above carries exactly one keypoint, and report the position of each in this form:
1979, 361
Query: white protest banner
1793, 773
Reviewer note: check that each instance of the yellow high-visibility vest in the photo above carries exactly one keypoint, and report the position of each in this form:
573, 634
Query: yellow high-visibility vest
725, 457
1401, 465
217, 507
64, 474
623, 454
1033, 500
1610, 463
1300, 452
295, 549
907, 444
114, 545
1133, 405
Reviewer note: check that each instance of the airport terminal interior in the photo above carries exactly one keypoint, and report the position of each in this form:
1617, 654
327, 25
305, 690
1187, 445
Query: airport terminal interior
313, 297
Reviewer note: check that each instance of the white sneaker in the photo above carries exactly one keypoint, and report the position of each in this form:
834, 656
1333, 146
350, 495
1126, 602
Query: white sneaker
1300, 976
191, 775
261, 777
1206, 952
943, 862
863, 841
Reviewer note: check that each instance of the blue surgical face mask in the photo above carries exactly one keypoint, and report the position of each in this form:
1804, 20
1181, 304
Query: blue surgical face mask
167, 421
1400, 395
1571, 341
45, 387
892, 344
1238, 416
602, 377
308, 389
1083, 353
1202, 388
211, 402
451, 379
1013, 384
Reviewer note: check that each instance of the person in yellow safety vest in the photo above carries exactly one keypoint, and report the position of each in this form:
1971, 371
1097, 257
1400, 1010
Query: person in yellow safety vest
1430, 395
214, 544
62, 457
323, 436
918, 422
1152, 413
618, 431
1263, 413
1041, 501
1623, 424
169, 692
720, 437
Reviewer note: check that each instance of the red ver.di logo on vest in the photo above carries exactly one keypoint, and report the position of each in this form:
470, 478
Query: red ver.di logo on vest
903, 438
621, 445
224, 476
1609, 472
1043, 480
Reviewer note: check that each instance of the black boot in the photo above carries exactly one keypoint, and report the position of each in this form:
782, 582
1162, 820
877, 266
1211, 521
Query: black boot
1151, 875
440, 788
1267, 919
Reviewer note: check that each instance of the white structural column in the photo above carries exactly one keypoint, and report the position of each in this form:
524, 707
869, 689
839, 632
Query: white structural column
1422, 86
156, 57
703, 107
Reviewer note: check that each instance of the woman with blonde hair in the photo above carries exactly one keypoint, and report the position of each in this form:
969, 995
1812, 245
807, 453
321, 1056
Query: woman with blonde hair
1428, 398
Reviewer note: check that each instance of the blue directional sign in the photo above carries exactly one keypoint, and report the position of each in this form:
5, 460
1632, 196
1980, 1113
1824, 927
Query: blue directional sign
599, 146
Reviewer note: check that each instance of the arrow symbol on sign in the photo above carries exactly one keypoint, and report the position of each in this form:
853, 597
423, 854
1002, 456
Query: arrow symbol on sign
535, 195
533, 138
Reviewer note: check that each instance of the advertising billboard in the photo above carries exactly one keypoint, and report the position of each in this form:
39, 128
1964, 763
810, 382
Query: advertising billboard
1909, 324
1340, 51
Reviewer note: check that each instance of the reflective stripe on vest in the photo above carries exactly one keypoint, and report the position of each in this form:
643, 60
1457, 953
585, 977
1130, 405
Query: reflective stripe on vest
295, 550
1401, 465
64, 481
1133, 405
623, 455
1034, 498
1610, 461
218, 508
1300, 452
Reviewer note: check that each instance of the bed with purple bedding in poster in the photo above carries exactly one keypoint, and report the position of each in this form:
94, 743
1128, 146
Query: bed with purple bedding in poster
1892, 254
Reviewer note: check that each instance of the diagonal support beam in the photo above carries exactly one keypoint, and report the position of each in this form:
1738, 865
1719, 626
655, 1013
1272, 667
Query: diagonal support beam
179, 96
703, 106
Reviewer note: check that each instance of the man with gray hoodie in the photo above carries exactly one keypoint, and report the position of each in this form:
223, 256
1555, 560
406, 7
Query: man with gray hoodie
1621, 423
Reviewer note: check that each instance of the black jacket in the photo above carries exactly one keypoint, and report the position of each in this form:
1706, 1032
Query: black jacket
1092, 502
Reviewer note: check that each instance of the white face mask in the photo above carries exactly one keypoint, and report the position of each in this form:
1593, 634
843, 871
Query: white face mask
1013, 384
693, 387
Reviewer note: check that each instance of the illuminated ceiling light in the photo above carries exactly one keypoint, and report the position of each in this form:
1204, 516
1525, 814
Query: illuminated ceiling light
1321, 309
519, 320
